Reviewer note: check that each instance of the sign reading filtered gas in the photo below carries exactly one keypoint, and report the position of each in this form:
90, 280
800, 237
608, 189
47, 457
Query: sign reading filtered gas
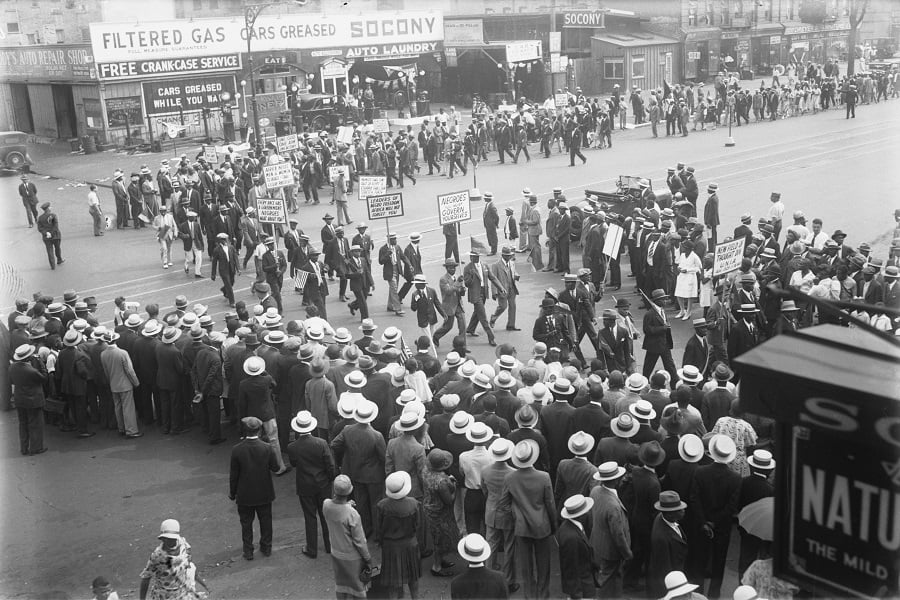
115, 42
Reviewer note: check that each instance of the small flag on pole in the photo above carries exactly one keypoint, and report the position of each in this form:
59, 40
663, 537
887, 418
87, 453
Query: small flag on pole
300, 278
405, 352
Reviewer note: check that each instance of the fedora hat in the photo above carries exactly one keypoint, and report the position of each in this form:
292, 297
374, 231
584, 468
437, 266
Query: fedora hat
479, 433
748, 308
151, 328
365, 411
368, 325
677, 585
134, 320
576, 505
761, 460
24, 351
624, 426
658, 294
481, 380
690, 448
525, 454
111, 336
410, 421
473, 548
254, 365
468, 369
526, 416
504, 380
581, 443
461, 422
636, 382
609, 471
500, 449
643, 410
391, 335
170, 334
355, 380
788, 306
304, 422
397, 485
651, 454
669, 501
722, 372
722, 448
690, 373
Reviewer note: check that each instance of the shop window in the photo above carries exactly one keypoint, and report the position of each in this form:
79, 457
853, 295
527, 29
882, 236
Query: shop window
12, 28
32, 38
637, 67
614, 68
692, 17
60, 36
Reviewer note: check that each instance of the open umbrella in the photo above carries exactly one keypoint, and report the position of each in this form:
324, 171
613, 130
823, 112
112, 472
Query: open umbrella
757, 518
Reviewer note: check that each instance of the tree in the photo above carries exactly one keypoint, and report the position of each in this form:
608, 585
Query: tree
857, 14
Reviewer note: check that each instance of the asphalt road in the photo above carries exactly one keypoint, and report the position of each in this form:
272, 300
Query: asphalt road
91, 507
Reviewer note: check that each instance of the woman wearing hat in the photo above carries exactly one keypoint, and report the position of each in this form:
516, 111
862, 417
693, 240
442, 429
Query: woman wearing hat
686, 286
28, 375
349, 551
397, 519
440, 495
170, 574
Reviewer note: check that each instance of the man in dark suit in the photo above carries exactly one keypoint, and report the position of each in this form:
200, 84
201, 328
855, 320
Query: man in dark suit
223, 224
48, 227
746, 333
356, 274
656, 262
273, 266
754, 487
658, 338
504, 270
563, 230
556, 422
225, 263
477, 581
592, 417
337, 251
252, 464
478, 280
426, 305
668, 544
610, 536
714, 500
393, 264
869, 288
697, 349
616, 343
312, 458
412, 263
452, 290
576, 562
743, 230
316, 288
491, 220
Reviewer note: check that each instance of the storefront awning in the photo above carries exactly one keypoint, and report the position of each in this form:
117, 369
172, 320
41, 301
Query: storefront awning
387, 70
634, 39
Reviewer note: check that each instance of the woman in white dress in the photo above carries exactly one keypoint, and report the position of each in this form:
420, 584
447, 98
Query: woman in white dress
706, 282
689, 265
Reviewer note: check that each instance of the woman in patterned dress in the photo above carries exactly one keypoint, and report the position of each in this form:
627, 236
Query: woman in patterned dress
170, 574
440, 493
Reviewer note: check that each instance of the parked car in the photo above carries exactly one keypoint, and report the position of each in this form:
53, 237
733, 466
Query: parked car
13, 151
319, 112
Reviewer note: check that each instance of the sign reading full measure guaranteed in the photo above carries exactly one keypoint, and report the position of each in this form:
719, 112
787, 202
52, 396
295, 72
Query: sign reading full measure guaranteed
278, 175
728, 257
453, 208
385, 206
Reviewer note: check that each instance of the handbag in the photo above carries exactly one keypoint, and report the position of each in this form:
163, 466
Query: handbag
368, 573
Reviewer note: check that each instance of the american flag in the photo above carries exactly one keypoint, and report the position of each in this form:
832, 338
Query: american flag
405, 352
300, 278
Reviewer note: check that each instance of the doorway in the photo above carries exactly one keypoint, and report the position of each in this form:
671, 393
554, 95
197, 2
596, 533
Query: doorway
24, 121
64, 105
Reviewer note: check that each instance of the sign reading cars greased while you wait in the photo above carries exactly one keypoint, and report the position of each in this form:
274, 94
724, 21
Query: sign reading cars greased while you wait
728, 257
453, 208
385, 206
278, 175
372, 185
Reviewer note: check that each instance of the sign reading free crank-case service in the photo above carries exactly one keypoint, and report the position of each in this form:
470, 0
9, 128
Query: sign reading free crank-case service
454, 207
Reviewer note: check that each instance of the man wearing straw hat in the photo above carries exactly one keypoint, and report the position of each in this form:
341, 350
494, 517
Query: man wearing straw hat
610, 537
477, 581
499, 522
576, 563
28, 374
312, 459
529, 494
754, 487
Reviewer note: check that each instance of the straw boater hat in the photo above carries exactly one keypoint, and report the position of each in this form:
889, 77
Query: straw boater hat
473, 548
355, 380
525, 454
397, 485
761, 460
72, 338
690, 373
410, 421
669, 501
501, 449
23, 352
304, 422
460, 422
479, 433
453, 360
609, 471
406, 396
365, 411
581, 443
722, 449
575, 506
636, 382
254, 365
744, 592
625, 426
368, 325
345, 406
642, 410
690, 448
677, 585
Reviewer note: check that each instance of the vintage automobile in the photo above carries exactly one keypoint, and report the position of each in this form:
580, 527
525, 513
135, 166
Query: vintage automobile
13, 151
622, 201
319, 112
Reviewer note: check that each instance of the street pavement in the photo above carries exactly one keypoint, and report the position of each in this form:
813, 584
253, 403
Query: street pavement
92, 507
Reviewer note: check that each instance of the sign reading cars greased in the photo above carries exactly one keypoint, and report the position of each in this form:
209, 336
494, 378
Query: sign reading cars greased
271, 210
453, 208
385, 206
728, 257
286, 143
372, 185
278, 175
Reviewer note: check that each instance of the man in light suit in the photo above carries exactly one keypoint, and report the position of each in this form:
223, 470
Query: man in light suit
393, 265
122, 380
534, 230
478, 279
610, 536
499, 523
252, 464
504, 271
452, 290
668, 545
491, 220
427, 307
192, 237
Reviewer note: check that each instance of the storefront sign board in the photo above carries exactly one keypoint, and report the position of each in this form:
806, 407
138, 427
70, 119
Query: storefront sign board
140, 69
464, 32
185, 95
40, 63
523, 51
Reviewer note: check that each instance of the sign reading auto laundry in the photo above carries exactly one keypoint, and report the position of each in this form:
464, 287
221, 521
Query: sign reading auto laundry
185, 95
120, 42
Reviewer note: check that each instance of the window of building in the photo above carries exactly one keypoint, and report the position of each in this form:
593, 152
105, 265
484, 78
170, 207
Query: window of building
12, 27
60, 36
637, 67
32, 39
198, 4
790, 9
85, 34
614, 68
